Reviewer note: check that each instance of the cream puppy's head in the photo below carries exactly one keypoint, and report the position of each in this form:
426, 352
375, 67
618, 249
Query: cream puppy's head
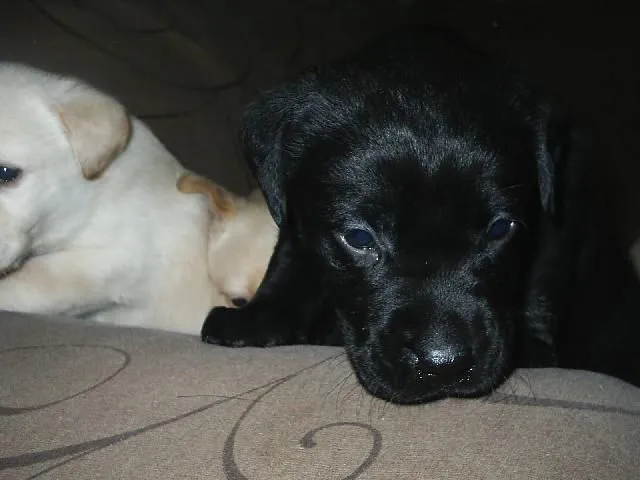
242, 236
56, 135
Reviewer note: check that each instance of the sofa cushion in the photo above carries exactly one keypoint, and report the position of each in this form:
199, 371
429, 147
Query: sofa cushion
89, 401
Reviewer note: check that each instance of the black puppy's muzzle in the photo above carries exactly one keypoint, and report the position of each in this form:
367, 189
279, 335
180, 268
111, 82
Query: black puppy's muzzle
424, 363
416, 357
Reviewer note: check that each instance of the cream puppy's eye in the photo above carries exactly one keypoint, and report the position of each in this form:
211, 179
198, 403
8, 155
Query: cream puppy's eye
9, 174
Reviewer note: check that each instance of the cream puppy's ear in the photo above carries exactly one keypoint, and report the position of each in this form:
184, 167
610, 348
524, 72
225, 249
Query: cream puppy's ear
221, 202
97, 126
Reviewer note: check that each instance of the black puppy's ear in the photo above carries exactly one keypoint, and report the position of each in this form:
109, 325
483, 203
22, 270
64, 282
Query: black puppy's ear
261, 142
263, 132
564, 158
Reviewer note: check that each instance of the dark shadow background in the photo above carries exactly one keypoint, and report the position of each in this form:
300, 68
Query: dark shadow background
189, 66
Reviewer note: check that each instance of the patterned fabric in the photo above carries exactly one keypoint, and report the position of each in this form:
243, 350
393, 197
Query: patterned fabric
97, 402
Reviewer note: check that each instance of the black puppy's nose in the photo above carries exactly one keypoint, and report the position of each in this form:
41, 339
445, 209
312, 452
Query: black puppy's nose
443, 365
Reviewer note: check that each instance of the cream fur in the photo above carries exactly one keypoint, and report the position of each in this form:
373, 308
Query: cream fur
95, 227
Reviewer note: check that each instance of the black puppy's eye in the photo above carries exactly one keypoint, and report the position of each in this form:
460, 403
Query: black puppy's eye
359, 239
9, 174
501, 229
239, 302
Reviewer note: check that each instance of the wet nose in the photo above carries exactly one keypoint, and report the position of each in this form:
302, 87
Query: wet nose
440, 366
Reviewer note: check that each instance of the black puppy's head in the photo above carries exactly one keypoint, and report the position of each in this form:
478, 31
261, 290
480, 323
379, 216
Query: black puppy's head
419, 174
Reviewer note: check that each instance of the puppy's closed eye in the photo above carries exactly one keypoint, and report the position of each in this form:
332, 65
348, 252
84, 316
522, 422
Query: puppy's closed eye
239, 302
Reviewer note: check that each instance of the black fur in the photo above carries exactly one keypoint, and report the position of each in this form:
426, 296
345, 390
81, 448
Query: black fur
424, 143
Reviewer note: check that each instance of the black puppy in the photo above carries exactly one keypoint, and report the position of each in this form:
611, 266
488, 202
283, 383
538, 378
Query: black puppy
439, 219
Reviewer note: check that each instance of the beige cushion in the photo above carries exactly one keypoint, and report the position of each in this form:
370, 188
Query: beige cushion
80, 401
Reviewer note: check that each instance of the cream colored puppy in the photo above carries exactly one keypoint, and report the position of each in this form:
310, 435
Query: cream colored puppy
242, 236
93, 224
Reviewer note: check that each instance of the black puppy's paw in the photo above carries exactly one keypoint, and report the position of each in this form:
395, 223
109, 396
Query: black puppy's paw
240, 327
